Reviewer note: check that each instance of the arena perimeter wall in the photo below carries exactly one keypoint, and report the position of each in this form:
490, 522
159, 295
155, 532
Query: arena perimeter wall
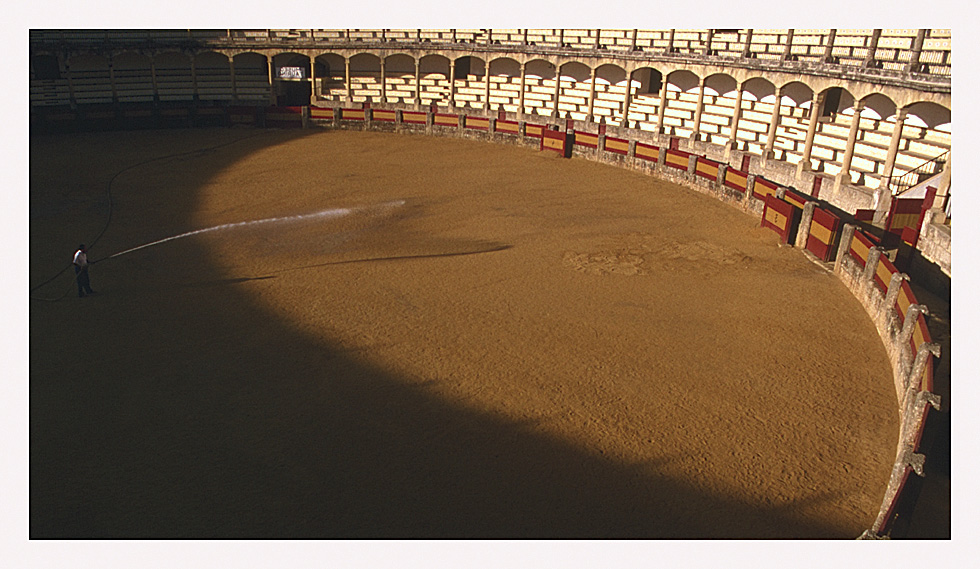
861, 265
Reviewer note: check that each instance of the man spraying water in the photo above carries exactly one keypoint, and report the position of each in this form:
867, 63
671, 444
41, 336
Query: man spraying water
81, 271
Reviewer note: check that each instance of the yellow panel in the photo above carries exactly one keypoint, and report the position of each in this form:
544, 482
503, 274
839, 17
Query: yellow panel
883, 273
645, 152
822, 234
677, 160
708, 169
735, 178
617, 145
446, 121
917, 337
903, 302
553, 143
776, 218
860, 248
384, 115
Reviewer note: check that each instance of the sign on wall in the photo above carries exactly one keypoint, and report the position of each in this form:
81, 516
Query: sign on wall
292, 73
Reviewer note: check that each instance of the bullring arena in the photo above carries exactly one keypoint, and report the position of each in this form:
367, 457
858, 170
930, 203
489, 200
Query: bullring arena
406, 284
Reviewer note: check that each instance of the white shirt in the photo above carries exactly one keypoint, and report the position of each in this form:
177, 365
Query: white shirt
81, 259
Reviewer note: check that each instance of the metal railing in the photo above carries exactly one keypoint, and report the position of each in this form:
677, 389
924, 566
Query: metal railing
898, 185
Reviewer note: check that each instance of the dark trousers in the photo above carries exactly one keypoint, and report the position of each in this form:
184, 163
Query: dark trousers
81, 276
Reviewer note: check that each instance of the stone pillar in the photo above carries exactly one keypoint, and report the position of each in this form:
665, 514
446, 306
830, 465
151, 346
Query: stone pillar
747, 48
486, 95
870, 59
874, 254
71, 82
773, 125
554, 112
803, 233
112, 81
696, 134
272, 90
707, 43
418, 82
918, 367
597, 34
589, 117
384, 88
733, 124
627, 100
153, 80
520, 97
313, 93
670, 42
845, 171
828, 52
900, 116
663, 106
891, 296
194, 76
234, 86
350, 94
633, 42
911, 315
845, 245
788, 50
816, 109
913, 65
452, 83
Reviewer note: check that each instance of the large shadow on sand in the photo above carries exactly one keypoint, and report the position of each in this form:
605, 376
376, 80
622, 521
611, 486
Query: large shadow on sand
174, 405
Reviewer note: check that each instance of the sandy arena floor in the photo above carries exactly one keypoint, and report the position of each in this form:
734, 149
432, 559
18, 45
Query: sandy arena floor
492, 342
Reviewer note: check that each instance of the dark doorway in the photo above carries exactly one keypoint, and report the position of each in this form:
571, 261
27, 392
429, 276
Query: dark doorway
292, 93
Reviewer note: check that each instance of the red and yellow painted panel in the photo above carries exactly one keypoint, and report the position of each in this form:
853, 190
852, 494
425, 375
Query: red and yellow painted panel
352, 114
284, 116
883, 273
443, 119
736, 179
320, 113
533, 130
706, 168
647, 152
617, 145
209, 111
510, 127
778, 215
860, 248
554, 140
904, 300
477, 123
414, 117
920, 334
796, 198
677, 159
823, 233
762, 188
175, 112
587, 139
926, 381
137, 113
383, 115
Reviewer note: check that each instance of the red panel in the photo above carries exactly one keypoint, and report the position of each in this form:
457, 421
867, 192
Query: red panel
778, 215
587, 139
677, 159
414, 117
706, 168
823, 233
533, 130
860, 248
647, 151
352, 114
884, 269
736, 179
763, 188
796, 198
864, 215
554, 140
509, 127
477, 123
617, 145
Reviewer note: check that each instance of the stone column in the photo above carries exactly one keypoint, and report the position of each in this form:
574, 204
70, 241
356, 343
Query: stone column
452, 83
891, 295
520, 97
869, 59
788, 50
418, 82
633, 42
628, 99
272, 90
696, 134
590, 117
913, 65
816, 109
313, 93
384, 88
707, 43
486, 75
554, 112
733, 124
845, 171
350, 94
828, 52
909, 324
153, 80
670, 42
112, 81
597, 33
773, 125
874, 254
663, 106
194, 76
71, 83
900, 116
231, 73
747, 48
803, 233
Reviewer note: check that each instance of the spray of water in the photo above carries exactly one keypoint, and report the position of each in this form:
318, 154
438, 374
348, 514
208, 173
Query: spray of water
319, 215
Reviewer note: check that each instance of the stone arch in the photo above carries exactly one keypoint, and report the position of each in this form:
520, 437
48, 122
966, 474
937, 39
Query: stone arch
610, 74
720, 85
290, 59
795, 94
540, 68
878, 106
929, 115
173, 75
505, 67
399, 65
364, 64
757, 89
682, 81
575, 71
